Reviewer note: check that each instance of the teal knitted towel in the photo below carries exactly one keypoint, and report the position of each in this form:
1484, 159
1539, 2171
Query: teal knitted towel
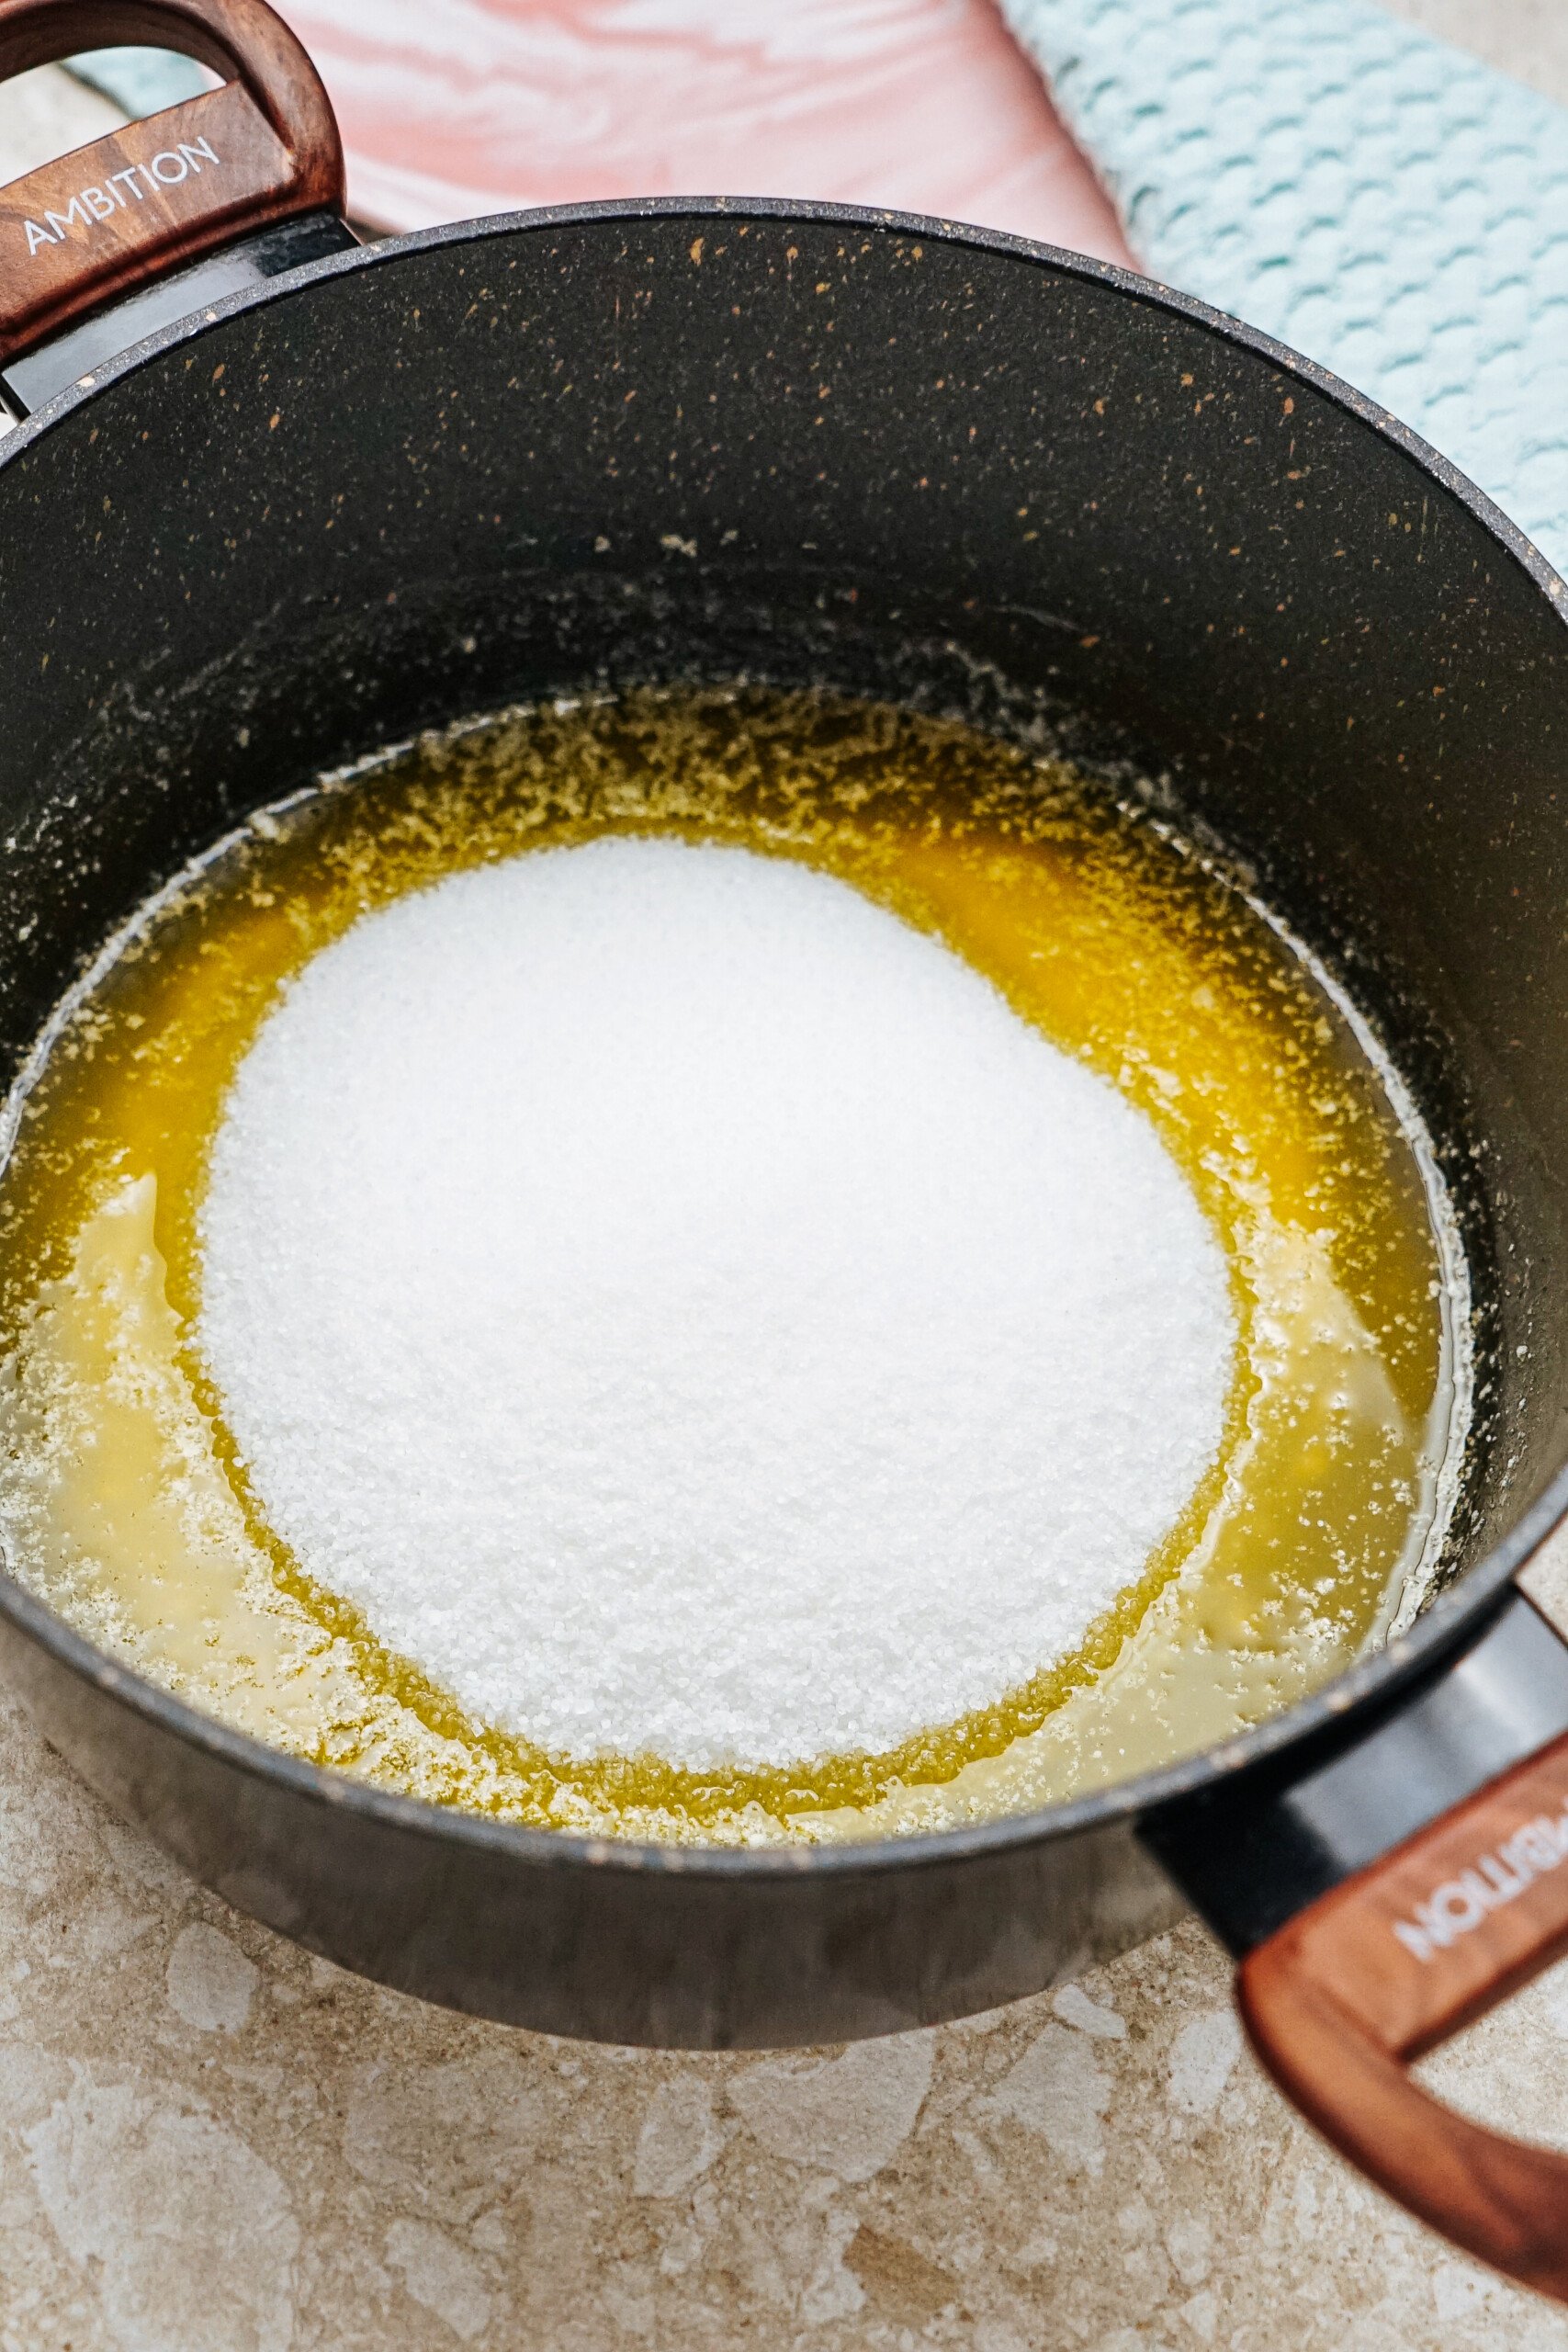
139, 81
1366, 193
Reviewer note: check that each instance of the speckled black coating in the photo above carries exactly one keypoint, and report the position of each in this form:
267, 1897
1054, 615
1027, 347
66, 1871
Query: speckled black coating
684, 440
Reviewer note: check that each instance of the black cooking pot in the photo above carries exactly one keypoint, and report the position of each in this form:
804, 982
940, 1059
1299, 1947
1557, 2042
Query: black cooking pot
268, 511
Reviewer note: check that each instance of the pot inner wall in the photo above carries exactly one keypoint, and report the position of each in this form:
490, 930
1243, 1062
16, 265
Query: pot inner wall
587, 454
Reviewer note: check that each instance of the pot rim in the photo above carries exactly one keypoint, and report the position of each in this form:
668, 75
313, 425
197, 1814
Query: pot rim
1361, 1687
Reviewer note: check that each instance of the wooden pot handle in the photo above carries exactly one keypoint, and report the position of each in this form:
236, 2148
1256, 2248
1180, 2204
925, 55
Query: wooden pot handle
265, 147
1342, 1999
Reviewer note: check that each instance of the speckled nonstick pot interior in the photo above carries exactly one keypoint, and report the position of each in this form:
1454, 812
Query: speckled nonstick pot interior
683, 441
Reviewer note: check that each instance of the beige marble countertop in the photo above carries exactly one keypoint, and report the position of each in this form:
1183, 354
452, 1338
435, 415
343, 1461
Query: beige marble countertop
212, 2142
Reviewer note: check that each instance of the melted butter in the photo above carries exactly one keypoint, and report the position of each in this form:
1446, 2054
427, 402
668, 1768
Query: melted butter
124, 1502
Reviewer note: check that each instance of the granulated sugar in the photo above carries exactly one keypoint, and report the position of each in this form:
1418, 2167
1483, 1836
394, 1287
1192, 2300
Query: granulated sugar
688, 1313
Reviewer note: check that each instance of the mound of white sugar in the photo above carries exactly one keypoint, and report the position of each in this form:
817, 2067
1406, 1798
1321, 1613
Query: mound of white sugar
688, 1311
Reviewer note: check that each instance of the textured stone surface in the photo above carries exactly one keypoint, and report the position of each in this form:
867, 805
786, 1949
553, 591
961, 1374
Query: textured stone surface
211, 2142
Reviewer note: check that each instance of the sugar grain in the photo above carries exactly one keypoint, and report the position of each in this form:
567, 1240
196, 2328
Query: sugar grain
690, 1314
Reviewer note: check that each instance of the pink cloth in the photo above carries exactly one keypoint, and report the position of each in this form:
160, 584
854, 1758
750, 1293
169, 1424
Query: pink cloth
451, 107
